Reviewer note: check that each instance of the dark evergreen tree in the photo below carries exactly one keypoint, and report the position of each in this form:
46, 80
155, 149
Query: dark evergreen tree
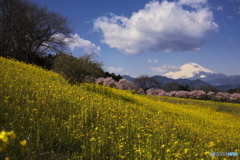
184, 88
113, 76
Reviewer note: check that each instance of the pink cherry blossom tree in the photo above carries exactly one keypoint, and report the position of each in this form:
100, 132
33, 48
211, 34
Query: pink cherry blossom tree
126, 85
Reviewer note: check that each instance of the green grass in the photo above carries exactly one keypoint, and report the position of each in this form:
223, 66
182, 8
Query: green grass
89, 121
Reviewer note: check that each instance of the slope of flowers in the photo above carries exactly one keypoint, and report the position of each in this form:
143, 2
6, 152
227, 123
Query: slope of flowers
90, 121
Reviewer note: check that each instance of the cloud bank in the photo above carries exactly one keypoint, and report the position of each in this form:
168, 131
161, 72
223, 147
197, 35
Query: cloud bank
160, 27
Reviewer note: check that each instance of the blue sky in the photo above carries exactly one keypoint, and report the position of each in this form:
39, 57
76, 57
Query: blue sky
149, 37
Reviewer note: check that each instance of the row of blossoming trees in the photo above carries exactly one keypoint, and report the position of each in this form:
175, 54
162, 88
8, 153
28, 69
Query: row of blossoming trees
195, 94
198, 94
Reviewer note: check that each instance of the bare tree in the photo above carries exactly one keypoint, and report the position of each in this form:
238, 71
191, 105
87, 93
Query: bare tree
172, 86
145, 82
28, 30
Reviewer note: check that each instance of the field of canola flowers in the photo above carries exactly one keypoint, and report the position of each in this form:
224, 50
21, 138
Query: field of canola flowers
43, 117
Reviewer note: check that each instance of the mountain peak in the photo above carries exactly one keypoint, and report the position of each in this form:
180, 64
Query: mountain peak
189, 70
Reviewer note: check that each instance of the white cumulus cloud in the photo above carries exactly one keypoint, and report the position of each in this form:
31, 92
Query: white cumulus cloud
77, 42
165, 68
160, 27
74, 41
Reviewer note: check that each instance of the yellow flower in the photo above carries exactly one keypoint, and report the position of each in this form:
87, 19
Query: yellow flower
23, 142
4, 136
122, 157
92, 139
186, 151
211, 144
138, 150
178, 155
35, 109
206, 153
121, 146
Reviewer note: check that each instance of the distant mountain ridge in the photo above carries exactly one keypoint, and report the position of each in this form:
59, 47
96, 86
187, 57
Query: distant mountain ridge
195, 76
225, 80
129, 78
194, 84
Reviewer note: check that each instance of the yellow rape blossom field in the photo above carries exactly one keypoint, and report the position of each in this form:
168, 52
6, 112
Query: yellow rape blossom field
44, 117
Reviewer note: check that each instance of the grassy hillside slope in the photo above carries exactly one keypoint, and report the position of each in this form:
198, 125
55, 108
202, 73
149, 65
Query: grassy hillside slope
60, 121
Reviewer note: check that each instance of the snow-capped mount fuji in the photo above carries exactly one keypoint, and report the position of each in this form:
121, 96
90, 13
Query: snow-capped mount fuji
193, 71
196, 76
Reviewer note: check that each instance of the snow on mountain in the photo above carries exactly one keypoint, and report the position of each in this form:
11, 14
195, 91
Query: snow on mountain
195, 76
189, 70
